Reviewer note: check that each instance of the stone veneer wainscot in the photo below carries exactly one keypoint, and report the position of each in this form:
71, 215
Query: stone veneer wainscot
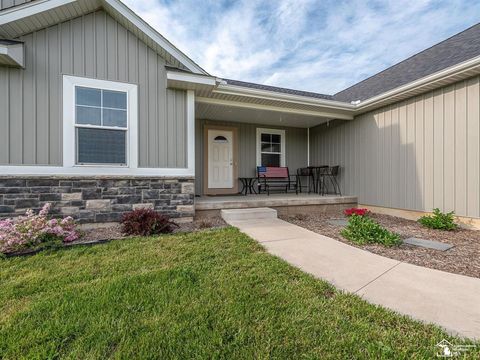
97, 199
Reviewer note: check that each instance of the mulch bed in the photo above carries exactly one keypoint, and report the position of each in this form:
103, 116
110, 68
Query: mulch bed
463, 258
114, 232
104, 234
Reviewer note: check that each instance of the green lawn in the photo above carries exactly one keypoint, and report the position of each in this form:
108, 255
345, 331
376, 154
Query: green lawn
210, 294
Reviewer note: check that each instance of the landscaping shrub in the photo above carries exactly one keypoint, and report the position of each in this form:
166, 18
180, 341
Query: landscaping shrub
146, 222
439, 220
34, 231
355, 211
364, 230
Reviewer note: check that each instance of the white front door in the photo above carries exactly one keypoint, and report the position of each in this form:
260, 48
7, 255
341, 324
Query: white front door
220, 159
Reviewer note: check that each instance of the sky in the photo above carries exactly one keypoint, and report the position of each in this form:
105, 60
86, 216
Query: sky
315, 45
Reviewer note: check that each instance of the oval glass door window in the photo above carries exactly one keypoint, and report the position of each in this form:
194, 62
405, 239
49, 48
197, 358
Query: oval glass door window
220, 139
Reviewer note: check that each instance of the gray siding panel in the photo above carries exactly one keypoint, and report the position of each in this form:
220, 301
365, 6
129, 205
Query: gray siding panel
295, 148
418, 154
95, 46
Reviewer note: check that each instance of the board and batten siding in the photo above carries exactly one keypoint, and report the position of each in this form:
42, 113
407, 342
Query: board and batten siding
295, 148
93, 46
418, 154
5, 4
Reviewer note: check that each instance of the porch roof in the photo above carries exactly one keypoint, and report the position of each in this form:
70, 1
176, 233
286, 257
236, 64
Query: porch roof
227, 100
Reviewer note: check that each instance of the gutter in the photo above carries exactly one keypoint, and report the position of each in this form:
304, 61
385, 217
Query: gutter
226, 89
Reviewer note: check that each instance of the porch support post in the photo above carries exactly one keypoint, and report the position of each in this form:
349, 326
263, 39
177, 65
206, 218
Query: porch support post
308, 146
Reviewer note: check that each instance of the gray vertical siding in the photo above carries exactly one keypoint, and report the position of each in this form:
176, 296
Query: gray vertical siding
94, 46
5, 4
418, 154
295, 148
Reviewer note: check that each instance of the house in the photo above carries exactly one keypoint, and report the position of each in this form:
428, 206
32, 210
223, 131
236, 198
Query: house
100, 114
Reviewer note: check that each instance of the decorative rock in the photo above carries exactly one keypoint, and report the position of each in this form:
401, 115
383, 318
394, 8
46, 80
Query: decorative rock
121, 207
98, 204
338, 222
72, 196
143, 206
69, 210
91, 193
188, 188
429, 244
108, 217
150, 194
26, 203
185, 208
50, 197
6, 209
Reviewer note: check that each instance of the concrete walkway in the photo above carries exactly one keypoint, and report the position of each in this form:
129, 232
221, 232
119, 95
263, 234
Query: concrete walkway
449, 300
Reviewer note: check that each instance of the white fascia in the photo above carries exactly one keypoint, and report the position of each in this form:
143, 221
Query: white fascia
271, 95
191, 78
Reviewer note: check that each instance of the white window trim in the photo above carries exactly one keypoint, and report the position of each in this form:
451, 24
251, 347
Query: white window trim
282, 146
69, 140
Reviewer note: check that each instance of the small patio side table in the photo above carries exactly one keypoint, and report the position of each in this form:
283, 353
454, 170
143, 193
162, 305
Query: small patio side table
248, 184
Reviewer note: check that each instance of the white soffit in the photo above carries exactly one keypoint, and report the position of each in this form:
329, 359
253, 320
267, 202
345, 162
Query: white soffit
257, 116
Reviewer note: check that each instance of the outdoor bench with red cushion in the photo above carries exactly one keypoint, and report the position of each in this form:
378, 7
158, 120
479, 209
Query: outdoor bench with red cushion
275, 177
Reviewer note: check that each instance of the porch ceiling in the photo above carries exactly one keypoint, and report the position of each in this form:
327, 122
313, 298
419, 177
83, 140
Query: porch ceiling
257, 115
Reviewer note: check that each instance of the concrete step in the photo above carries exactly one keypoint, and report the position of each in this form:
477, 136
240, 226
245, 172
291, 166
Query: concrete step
248, 214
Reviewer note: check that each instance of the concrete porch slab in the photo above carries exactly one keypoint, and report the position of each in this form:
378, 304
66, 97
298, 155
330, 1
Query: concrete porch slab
285, 204
274, 200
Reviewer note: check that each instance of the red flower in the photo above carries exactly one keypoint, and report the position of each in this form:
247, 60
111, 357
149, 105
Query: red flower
355, 211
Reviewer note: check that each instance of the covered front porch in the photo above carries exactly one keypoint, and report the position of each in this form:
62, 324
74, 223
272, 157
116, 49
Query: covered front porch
239, 126
238, 129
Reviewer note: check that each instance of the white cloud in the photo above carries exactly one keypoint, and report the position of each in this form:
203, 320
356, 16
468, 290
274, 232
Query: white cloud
314, 45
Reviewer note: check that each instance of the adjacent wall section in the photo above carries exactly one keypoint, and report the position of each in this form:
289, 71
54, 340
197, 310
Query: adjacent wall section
295, 148
94, 46
418, 154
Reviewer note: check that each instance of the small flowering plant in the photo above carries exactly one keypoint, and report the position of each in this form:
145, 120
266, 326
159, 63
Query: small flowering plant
35, 230
355, 211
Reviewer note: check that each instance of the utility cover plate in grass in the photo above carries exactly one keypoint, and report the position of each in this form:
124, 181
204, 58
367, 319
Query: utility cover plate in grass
338, 222
428, 244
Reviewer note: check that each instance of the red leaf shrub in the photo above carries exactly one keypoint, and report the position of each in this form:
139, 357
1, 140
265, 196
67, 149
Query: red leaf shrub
145, 222
355, 211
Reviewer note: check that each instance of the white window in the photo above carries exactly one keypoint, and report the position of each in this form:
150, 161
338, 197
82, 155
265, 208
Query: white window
270, 147
100, 123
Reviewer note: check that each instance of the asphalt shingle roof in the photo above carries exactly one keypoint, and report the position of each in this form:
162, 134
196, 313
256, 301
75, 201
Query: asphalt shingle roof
278, 89
454, 50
